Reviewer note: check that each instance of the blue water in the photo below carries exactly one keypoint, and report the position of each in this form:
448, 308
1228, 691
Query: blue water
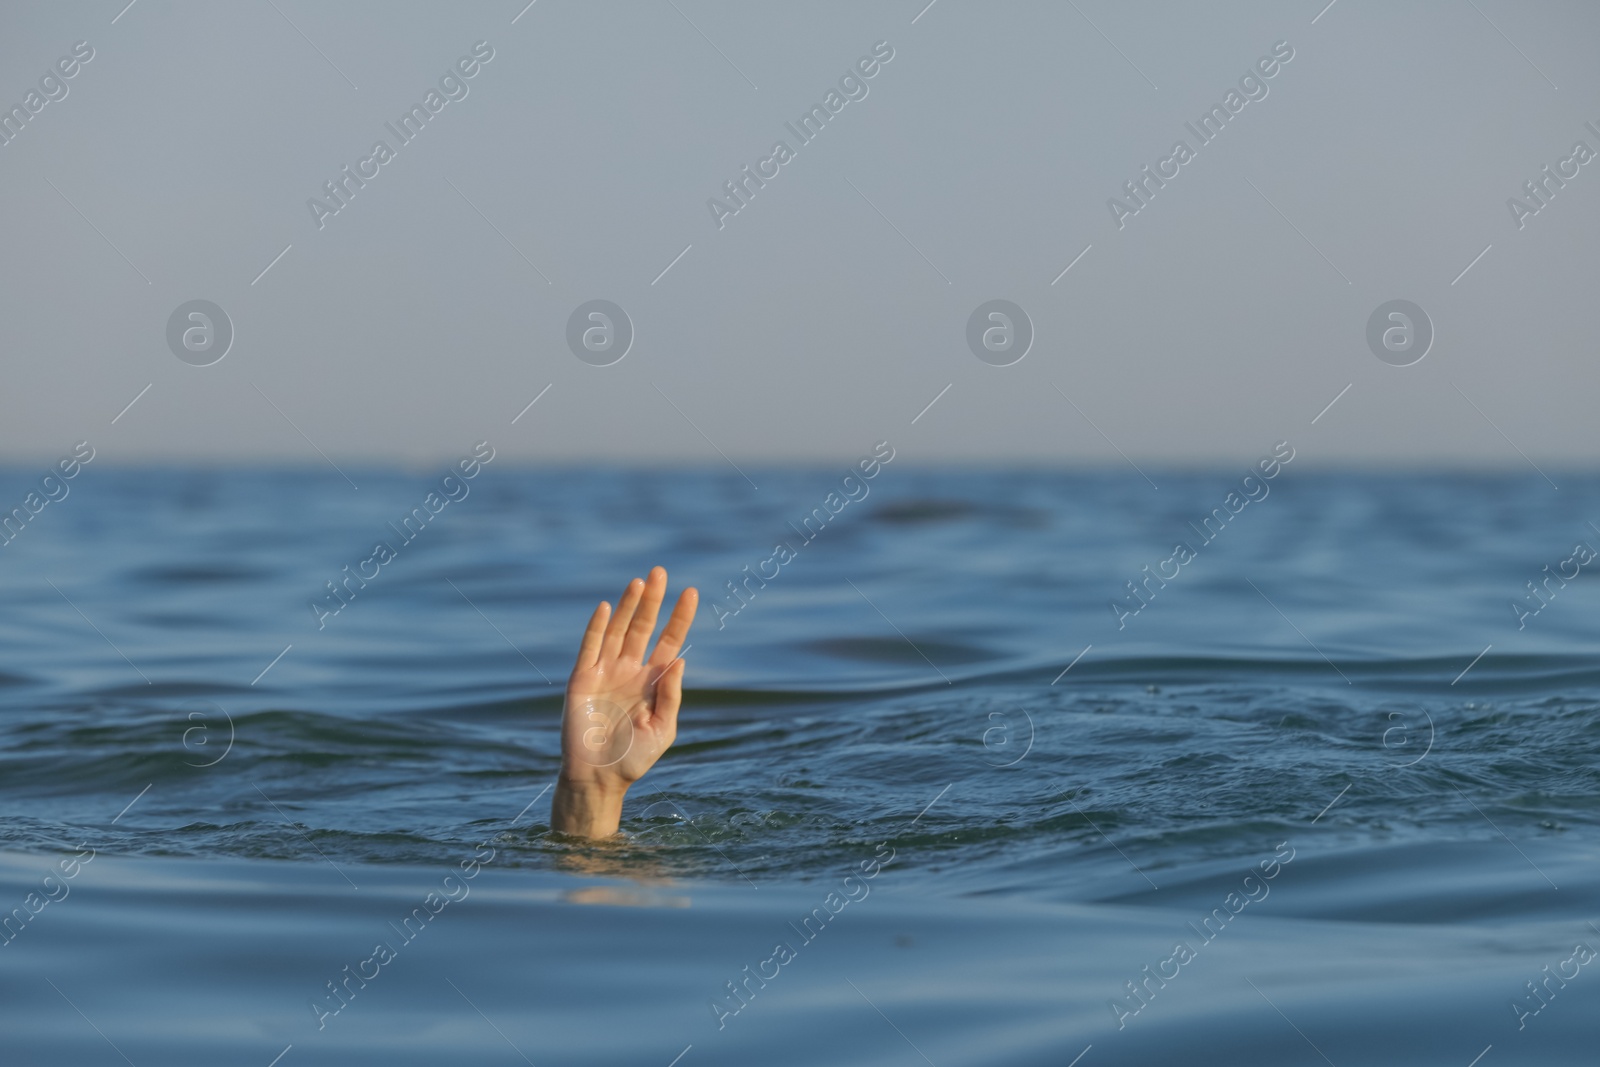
1334, 689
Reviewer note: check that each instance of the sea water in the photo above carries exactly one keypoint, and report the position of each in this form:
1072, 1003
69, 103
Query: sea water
982, 770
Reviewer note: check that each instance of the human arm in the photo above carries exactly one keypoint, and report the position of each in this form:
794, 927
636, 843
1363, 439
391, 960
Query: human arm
621, 710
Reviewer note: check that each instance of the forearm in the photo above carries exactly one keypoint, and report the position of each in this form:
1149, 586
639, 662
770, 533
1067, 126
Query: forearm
586, 808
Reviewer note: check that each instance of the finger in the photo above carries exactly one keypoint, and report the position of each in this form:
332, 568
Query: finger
620, 619
644, 620
669, 695
589, 650
677, 627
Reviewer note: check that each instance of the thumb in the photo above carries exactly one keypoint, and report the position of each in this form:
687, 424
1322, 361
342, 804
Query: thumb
669, 695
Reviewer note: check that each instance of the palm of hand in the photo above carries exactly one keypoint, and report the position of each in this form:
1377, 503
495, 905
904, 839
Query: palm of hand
610, 725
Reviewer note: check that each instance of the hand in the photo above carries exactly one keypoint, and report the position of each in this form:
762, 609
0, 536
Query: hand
621, 711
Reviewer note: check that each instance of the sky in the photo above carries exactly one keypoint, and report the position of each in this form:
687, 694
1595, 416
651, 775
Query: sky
985, 158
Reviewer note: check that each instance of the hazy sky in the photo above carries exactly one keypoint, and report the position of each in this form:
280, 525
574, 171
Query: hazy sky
829, 311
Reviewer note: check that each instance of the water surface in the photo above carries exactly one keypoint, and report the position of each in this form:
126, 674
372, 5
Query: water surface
1068, 789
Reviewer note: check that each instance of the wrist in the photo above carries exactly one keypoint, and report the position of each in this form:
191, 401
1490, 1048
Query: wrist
587, 805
